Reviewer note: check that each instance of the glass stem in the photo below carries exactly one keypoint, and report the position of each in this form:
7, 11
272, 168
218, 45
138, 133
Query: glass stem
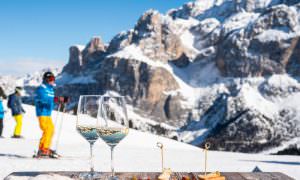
112, 160
91, 158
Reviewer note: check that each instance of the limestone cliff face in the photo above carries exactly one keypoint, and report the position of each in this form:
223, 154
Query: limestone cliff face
80, 56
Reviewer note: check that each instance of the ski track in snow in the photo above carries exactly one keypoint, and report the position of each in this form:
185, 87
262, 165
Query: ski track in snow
138, 152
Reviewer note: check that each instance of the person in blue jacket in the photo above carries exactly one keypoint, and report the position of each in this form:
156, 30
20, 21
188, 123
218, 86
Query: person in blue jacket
1, 117
44, 104
2, 95
15, 104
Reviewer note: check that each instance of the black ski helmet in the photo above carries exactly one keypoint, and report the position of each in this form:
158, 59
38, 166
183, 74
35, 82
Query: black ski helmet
47, 76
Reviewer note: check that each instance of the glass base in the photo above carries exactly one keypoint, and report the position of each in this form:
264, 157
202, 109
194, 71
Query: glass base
90, 176
113, 178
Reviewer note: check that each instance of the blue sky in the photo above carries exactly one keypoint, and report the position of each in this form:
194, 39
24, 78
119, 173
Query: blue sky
37, 33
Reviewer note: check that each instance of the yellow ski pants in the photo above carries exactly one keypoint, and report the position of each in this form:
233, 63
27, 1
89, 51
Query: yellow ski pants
47, 127
18, 127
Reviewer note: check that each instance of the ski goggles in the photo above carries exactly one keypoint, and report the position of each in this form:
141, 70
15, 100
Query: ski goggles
51, 78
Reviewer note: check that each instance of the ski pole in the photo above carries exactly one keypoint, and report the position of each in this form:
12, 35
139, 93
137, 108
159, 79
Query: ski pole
60, 128
57, 114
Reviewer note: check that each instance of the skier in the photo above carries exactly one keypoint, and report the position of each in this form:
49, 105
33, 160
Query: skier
44, 103
15, 104
2, 95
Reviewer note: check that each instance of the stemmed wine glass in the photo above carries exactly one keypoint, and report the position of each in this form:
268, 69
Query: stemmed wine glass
113, 124
87, 122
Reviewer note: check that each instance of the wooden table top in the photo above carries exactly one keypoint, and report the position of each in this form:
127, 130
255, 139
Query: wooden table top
174, 176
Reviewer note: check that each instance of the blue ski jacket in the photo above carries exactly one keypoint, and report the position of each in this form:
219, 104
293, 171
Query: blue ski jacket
1, 110
44, 99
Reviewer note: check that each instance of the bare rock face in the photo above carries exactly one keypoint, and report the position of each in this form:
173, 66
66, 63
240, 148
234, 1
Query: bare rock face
120, 41
75, 60
154, 35
143, 84
93, 49
160, 104
96, 44
82, 55
182, 61
293, 66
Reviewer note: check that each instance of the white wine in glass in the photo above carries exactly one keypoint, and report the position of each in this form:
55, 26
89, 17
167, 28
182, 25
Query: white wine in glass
87, 122
113, 125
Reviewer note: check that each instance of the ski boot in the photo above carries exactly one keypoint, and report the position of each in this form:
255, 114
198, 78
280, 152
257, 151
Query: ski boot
17, 137
53, 154
46, 153
42, 153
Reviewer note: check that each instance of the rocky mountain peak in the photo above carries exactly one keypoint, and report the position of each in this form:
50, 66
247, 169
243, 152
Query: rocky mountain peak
96, 45
75, 60
149, 22
80, 55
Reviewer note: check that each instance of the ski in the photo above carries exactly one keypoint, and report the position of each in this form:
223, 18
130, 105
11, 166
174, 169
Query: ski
35, 156
53, 155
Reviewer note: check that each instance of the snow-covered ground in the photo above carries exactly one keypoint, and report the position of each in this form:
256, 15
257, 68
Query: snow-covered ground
138, 152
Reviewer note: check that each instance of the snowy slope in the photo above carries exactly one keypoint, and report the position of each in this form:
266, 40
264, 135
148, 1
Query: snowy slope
138, 152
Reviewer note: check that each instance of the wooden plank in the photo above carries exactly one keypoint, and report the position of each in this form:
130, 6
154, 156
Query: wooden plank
174, 176
266, 176
233, 176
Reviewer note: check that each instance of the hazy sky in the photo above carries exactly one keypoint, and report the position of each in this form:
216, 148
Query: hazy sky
38, 33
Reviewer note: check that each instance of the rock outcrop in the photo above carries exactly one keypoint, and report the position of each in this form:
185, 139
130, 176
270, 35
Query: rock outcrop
80, 56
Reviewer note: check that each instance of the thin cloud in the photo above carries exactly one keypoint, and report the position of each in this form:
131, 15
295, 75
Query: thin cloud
24, 66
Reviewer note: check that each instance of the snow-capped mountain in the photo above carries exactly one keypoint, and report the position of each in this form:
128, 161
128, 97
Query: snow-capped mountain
219, 70
36, 78
8, 84
29, 82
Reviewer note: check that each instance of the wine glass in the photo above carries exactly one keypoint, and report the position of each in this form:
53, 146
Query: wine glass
87, 122
113, 124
